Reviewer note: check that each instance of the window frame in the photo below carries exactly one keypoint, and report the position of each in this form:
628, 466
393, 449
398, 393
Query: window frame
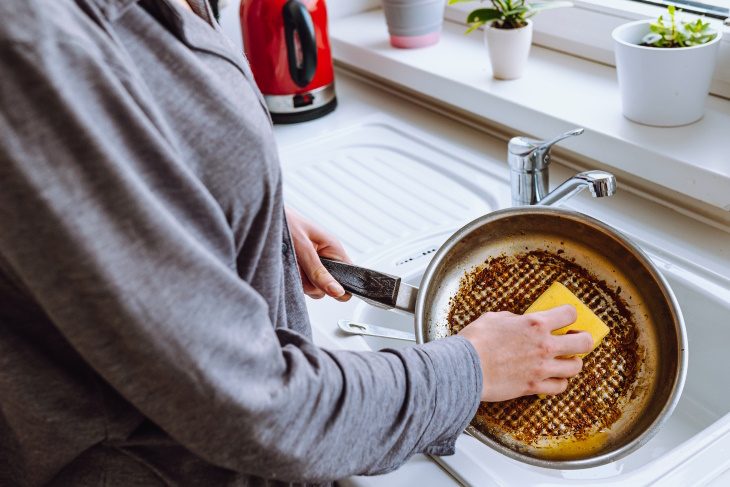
691, 6
585, 31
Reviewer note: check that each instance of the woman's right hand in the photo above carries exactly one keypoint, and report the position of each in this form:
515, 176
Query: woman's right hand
519, 355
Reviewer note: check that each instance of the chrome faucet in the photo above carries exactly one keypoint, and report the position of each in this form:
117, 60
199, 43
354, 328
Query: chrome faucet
529, 161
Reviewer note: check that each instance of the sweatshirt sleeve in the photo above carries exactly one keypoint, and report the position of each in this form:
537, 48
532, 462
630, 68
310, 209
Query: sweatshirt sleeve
175, 331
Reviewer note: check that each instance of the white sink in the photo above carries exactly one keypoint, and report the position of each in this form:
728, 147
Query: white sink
703, 409
394, 195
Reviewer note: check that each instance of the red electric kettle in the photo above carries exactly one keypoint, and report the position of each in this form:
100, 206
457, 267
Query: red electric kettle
288, 48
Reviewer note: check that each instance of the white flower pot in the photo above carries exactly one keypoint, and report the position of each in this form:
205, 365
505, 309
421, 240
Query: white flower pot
508, 50
664, 87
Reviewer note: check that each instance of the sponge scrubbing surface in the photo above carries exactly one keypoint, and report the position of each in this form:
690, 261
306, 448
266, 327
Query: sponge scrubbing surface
557, 295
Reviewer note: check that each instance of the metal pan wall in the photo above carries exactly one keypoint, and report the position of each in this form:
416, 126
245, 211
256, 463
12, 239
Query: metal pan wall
608, 255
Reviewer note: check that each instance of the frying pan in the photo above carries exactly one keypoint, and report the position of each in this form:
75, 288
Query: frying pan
660, 336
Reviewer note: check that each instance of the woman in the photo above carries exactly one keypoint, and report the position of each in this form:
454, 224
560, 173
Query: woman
152, 322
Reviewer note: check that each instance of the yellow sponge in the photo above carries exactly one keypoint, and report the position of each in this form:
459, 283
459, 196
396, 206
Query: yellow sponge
557, 295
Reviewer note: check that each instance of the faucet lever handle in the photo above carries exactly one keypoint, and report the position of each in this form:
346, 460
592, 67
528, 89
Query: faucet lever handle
547, 144
522, 149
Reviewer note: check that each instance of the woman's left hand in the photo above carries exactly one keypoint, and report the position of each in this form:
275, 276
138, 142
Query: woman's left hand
310, 241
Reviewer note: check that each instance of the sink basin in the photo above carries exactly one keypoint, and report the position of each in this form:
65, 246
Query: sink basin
394, 194
705, 402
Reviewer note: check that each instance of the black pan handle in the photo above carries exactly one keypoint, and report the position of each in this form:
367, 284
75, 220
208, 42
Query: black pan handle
302, 55
378, 288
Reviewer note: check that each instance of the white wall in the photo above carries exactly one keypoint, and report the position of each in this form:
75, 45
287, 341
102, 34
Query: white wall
230, 23
343, 8
335, 10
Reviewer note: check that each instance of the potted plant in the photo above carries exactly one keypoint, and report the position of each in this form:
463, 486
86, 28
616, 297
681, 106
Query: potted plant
665, 69
414, 23
508, 32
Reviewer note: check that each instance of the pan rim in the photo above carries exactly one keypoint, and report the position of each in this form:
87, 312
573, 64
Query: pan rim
679, 325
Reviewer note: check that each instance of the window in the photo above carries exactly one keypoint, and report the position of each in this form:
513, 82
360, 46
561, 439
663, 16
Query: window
717, 9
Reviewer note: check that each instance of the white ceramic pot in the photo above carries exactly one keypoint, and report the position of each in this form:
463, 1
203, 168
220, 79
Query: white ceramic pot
664, 87
508, 50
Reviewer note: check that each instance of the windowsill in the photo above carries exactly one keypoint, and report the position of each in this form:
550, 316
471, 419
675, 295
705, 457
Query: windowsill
585, 31
558, 92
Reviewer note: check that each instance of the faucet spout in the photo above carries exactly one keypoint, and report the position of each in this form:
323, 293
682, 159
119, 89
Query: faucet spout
529, 162
600, 183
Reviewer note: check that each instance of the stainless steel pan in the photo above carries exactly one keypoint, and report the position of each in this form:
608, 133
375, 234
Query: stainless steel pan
629, 276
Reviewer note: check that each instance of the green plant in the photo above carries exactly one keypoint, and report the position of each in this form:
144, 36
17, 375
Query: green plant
507, 14
669, 34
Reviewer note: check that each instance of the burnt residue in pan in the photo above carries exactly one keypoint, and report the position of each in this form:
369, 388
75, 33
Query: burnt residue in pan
593, 398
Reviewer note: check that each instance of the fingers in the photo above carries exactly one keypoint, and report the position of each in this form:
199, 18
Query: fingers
551, 387
556, 318
333, 249
344, 298
310, 289
310, 242
564, 368
325, 244
314, 292
318, 275
572, 343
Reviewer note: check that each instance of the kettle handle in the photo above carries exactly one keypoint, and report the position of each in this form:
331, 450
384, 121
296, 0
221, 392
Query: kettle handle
302, 55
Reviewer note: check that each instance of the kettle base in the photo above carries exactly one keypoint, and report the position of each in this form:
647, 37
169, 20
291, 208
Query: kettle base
304, 115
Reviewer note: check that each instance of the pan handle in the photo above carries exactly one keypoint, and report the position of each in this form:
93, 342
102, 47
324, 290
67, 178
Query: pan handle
377, 288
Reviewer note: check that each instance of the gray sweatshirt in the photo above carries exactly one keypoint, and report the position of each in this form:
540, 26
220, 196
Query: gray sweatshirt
152, 323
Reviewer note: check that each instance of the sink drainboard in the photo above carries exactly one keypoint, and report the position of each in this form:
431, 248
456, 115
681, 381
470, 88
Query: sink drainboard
412, 193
